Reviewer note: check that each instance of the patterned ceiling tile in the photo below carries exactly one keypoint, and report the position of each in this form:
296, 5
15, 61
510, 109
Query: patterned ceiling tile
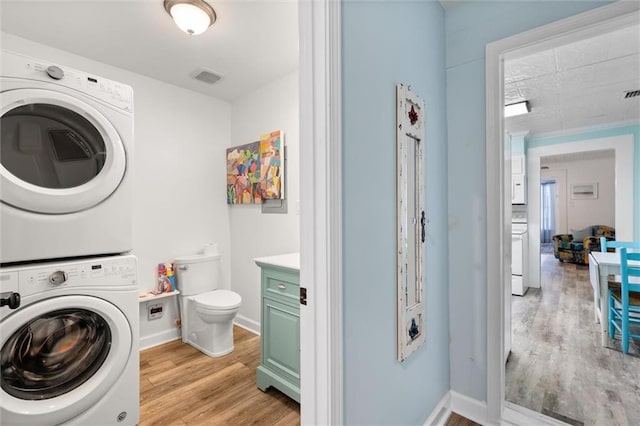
578, 85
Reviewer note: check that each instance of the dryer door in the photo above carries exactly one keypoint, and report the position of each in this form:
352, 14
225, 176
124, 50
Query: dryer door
59, 357
58, 154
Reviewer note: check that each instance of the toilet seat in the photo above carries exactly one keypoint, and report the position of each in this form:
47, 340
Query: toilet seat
217, 300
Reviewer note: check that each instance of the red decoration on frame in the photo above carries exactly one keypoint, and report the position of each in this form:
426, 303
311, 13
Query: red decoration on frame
413, 116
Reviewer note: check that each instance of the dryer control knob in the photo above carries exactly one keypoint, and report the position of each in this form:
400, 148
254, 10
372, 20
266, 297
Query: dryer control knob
55, 72
58, 277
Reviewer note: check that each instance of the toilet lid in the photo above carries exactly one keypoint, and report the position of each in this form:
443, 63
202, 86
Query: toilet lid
218, 300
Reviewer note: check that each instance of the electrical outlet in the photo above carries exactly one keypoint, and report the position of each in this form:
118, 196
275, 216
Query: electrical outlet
155, 311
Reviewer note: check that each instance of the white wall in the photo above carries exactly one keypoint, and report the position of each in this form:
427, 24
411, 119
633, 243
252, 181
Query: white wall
254, 234
582, 213
179, 199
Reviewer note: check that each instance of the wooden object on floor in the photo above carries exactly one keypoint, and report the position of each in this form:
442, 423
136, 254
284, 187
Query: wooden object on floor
457, 420
180, 385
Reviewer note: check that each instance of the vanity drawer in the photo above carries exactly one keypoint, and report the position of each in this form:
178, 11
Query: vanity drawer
281, 285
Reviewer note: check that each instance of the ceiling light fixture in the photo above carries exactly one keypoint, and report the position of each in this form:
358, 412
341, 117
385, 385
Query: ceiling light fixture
191, 16
518, 108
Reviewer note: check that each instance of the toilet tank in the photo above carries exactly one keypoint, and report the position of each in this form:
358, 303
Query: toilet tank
198, 273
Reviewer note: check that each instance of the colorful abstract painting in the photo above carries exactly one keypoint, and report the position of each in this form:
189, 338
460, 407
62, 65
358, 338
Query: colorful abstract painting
255, 171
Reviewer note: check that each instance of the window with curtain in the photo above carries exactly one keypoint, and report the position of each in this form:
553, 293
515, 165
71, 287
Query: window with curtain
547, 203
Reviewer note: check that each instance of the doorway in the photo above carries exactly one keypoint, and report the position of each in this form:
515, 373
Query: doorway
498, 207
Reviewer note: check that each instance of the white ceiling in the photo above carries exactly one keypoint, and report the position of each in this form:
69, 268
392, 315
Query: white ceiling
251, 43
254, 42
577, 85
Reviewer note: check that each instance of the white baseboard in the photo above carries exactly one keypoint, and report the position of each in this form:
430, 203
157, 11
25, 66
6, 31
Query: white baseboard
247, 324
517, 415
157, 339
441, 413
470, 408
166, 336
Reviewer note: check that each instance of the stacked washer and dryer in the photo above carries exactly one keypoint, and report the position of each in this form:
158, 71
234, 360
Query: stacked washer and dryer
69, 321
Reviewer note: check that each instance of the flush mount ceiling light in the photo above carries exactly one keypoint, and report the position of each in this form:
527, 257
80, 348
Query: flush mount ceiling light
191, 16
518, 108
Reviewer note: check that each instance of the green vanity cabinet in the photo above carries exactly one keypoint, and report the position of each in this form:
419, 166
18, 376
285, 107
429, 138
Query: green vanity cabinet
280, 325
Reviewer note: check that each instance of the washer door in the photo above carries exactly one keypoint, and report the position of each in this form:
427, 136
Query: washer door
59, 357
58, 154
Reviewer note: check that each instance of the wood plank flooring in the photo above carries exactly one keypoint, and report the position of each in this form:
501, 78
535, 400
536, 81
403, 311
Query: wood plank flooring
179, 385
457, 420
557, 365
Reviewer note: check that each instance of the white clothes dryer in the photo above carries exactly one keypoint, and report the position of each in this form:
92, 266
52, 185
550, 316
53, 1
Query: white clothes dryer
65, 162
69, 343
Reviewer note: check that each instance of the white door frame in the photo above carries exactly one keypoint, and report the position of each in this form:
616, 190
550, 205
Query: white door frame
498, 196
320, 212
622, 145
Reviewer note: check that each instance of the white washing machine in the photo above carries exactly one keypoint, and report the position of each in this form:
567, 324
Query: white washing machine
65, 162
69, 343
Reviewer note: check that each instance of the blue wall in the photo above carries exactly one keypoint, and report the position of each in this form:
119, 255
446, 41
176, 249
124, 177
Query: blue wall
386, 43
604, 133
469, 27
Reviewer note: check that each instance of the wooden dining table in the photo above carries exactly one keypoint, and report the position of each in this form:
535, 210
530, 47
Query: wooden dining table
601, 266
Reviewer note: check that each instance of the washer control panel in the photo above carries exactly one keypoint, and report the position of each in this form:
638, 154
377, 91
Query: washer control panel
104, 272
58, 278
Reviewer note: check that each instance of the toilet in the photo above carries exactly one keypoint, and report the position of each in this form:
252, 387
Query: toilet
206, 310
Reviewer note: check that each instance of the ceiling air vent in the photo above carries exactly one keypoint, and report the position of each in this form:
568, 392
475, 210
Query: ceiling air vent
631, 94
206, 76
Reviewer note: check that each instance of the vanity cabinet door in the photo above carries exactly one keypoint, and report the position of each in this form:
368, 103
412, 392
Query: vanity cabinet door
280, 332
282, 340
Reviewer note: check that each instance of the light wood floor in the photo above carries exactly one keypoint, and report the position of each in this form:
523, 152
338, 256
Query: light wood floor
557, 365
181, 386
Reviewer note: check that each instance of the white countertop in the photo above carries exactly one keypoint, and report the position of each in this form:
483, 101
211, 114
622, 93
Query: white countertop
289, 261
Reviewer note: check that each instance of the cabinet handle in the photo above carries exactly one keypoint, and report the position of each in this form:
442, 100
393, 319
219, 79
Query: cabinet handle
282, 286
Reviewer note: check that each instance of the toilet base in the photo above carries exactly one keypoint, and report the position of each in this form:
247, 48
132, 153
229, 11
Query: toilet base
209, 353
210, 332
214, 340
